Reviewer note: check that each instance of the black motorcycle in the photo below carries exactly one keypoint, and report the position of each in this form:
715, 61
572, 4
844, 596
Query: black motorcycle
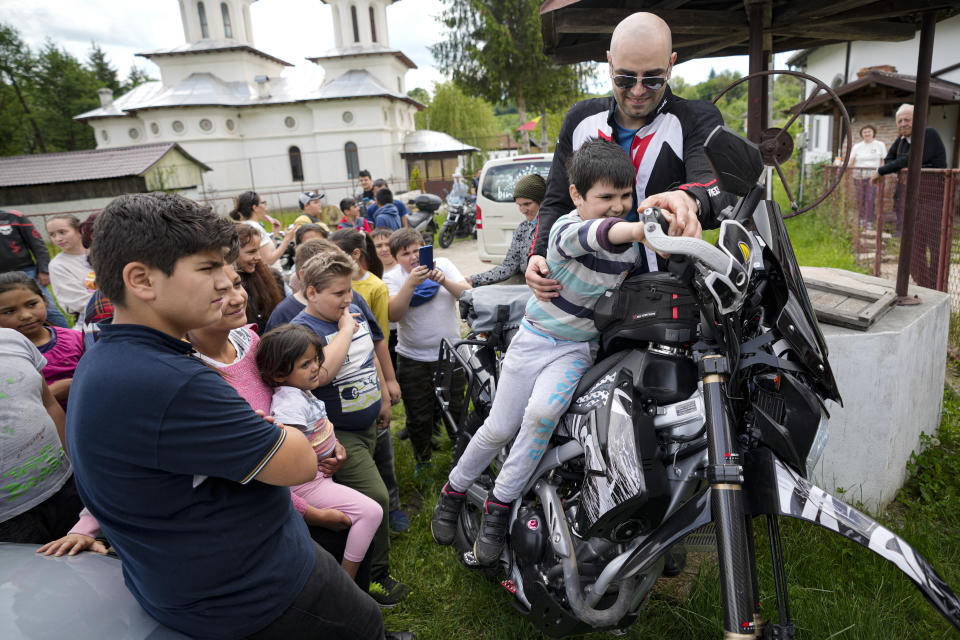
461, 219
706, 405
421, 219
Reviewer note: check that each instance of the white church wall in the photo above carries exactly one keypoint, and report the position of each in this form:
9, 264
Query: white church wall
229, 66
389, 71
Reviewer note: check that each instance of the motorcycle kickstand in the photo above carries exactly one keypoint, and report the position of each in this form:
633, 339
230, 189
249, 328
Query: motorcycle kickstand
784, 629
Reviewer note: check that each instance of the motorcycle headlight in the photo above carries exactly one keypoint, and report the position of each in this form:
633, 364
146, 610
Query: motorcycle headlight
819, 442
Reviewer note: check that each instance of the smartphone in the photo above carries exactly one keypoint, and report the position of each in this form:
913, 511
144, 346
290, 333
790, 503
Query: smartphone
426, 256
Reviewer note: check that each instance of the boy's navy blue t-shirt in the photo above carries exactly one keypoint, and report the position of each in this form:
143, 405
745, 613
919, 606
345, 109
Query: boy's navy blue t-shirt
164, 452
353, 397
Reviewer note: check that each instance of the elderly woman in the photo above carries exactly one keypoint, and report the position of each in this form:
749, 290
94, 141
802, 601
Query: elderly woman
528, 194
865, 157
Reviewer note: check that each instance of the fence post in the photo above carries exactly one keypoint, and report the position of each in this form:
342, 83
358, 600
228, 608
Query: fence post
946, 229
878, 225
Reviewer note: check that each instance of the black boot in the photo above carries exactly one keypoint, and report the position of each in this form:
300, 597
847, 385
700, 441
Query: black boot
443, 525
493, 530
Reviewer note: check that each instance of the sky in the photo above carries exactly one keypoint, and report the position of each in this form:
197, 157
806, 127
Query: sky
291, 30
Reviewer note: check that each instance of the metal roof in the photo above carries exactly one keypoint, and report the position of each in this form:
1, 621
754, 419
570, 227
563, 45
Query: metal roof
362, 51
578, 30
207, 90
211, 46
941, 91
426, 141
93, 164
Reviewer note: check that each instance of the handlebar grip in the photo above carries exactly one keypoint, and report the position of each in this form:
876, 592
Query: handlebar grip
654, 214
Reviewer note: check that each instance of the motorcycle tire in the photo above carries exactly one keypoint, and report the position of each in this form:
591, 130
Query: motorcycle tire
428, 235
446, 236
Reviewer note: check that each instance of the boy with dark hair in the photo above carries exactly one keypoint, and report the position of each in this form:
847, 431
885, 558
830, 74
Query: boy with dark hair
165, 452
366, 183
387, 214
371, 208
590, 249
352, 218
423, 301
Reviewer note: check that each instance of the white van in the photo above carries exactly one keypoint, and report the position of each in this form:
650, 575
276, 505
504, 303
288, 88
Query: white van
497, 213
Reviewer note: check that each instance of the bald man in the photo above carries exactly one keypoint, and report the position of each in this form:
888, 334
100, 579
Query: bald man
663, 135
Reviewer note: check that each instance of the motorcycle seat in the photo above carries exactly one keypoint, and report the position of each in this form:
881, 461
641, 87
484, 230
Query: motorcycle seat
597, 371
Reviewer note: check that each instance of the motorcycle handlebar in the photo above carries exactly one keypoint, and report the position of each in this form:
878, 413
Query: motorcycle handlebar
655, 228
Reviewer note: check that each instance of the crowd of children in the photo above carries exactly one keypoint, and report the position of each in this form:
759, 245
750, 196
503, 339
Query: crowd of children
215, 372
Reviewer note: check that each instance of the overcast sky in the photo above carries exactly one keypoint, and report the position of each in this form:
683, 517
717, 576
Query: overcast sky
288, 29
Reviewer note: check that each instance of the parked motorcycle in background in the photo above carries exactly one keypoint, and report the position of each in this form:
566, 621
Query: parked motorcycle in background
461, 218
421, 219
708, 404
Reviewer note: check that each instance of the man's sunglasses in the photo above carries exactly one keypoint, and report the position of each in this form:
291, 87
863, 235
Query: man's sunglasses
653, 83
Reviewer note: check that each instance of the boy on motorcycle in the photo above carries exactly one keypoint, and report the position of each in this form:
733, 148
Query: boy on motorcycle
590, 248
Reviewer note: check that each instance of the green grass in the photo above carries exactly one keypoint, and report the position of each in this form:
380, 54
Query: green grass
837, 588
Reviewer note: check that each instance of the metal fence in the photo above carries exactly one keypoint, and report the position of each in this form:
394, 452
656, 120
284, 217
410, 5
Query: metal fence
871, 214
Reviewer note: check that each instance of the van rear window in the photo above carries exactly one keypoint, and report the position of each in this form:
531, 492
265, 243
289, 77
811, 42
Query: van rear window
499, 180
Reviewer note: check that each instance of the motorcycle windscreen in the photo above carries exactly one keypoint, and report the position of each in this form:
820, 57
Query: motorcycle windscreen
796, 321
800, 499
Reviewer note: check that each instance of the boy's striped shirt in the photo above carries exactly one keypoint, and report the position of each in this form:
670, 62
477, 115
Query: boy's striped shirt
581, 257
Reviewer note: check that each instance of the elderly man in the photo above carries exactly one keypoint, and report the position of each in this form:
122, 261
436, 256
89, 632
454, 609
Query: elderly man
663, 135
926, 240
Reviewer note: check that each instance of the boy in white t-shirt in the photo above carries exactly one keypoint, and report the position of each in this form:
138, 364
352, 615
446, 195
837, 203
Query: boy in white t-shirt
423, 301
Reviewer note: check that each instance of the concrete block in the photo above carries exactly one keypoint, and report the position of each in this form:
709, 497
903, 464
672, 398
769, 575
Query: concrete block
891, 380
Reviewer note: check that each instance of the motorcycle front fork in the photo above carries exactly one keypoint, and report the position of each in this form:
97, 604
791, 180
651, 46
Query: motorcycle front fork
734, 527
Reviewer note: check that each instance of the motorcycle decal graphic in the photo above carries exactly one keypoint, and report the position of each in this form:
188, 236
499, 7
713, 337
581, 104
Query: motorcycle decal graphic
597, 395
805, 501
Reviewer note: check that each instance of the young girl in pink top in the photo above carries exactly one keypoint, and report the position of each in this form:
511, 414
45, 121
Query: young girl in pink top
289, 359
22, 307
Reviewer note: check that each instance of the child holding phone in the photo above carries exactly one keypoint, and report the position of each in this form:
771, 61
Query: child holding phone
424, 303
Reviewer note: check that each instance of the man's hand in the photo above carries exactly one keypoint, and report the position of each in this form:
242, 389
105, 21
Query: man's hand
331, 465
544, 288
393, 388
683, 206
43, 279
875, 179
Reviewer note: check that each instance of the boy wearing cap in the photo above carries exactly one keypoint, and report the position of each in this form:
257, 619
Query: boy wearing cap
528, 193
311, 206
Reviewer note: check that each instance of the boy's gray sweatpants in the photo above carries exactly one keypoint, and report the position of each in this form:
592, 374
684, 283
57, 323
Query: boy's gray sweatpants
537, 381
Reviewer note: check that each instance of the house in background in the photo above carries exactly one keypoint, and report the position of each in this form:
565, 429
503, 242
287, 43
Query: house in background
876, 99
258, 126
85, 181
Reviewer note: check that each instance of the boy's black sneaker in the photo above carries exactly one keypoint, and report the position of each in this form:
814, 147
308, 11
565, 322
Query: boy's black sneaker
443, 524
493, 531
388, 592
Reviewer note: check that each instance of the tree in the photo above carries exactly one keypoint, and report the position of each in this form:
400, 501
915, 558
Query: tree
494, 50
63, 88
105, 73
17, 66
420, 95
466, 118
135, 78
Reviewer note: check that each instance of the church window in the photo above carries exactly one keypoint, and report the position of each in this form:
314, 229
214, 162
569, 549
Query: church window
204, 28
154, 128
296, 164
348, 117
134, 133
229, 124
206, 124
373, 25
225, 12
177, 126
356, 27
106, 136
289, 122
353, 160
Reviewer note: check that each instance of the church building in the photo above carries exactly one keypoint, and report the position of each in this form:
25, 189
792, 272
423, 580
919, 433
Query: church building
229, 105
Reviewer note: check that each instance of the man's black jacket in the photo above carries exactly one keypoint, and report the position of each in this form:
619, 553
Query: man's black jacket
667, 153
934, 153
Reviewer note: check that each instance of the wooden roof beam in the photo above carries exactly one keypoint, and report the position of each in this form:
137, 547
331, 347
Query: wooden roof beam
814, 9
602, 21
891, 31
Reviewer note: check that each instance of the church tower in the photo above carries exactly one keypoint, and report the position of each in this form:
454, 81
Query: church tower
217, 20
360, 23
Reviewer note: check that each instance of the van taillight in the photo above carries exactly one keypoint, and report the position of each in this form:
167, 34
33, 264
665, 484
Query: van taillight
479, 221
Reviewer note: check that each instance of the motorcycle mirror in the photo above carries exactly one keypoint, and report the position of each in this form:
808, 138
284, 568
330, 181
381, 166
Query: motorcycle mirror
736, 162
